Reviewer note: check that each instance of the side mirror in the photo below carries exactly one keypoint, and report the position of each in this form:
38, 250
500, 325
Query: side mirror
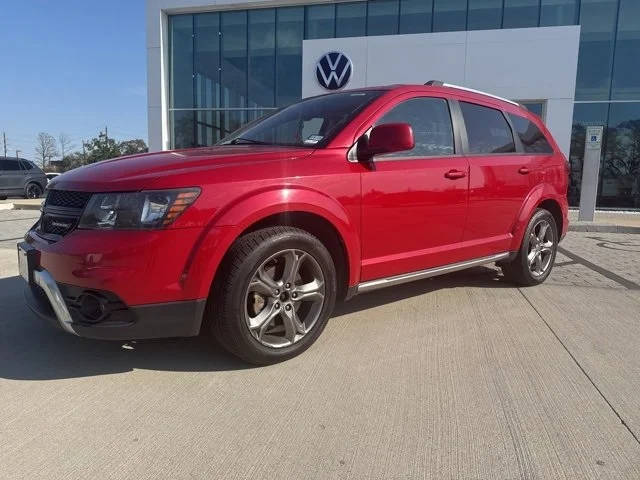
387, 138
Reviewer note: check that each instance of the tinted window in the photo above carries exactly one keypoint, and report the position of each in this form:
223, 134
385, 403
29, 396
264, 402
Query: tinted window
532, 139
449, 15
312, 122
626, 74
415, 16
181, 66
487, 129
485, 14
289, 33
520, 13
320, 21
558, 12
9, 165
26, 165
431, 123
351, 19
382, 17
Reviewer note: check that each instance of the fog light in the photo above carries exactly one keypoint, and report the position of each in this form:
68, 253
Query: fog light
92, 307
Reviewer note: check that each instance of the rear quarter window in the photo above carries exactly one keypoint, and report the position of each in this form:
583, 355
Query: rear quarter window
487, 129
532, 139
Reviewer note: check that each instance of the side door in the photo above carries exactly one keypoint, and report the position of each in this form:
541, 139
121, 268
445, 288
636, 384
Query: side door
500, 178
11, 176
414, 203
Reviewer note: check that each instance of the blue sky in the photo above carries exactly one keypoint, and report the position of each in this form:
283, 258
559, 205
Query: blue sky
71, 66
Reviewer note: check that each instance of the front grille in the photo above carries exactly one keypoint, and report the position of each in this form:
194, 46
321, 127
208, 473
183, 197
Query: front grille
67, 198
61, 212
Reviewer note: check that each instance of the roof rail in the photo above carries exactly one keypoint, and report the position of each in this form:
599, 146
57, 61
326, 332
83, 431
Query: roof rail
439, 83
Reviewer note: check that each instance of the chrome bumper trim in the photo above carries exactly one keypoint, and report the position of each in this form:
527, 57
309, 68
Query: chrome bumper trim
431, 272
44, 279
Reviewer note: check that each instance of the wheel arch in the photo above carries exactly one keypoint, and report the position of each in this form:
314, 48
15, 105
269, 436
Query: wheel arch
539, 197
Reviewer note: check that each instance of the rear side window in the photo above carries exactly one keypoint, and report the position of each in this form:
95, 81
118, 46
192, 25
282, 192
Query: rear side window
9, 165
26, 165
532, 139
431, 123
487, 129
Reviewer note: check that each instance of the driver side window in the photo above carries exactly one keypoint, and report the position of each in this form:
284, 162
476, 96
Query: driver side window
430, 120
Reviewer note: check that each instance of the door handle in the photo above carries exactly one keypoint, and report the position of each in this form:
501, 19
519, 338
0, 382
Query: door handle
523, 170
454, 174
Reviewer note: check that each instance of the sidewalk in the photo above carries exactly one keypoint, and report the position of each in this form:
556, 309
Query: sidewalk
21, 204
606, 221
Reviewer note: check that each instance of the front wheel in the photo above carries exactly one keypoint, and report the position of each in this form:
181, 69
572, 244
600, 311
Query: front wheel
537, 252
33, 190
276, 290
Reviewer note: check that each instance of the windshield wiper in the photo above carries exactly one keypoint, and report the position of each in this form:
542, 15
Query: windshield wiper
240, 140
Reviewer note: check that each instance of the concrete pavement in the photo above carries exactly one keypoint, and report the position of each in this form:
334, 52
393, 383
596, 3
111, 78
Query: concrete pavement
458, 377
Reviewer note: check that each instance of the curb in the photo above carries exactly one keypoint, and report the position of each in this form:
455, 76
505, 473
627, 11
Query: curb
26, 206
602, 228
6, 206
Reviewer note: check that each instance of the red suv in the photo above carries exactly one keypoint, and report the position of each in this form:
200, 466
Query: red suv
255, 238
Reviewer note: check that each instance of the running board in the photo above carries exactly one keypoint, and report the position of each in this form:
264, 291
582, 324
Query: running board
431, 272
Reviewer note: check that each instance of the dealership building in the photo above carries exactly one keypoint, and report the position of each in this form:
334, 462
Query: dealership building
214, 65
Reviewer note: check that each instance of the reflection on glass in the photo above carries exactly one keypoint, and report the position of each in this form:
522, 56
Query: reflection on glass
289, 36
626, 73
382, 17
449, 15
598, 23
262, 56
520, 13
620, 170
535, 107
415, 16
207, 60
558, 12
182, 129
584, 115
351, 19
233, 26
484, 14
181, 66
320, 21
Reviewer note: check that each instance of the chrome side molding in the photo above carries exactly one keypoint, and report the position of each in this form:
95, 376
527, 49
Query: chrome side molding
431, 272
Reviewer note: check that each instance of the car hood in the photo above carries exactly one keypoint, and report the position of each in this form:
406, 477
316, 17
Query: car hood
143, 171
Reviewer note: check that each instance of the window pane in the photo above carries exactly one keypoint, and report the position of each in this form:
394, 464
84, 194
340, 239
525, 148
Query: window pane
620, 171
9, 165
290, 30
485, 14
532, 139
415, 16
558, 12
382, 17
626, 73
182, 129
520, 13
351, 19
181, 63
535, 107
584, 115
597, 18
207, 60
26, 165
262, 57
487, 129
449, 15
234, 59
320, 21
431, 123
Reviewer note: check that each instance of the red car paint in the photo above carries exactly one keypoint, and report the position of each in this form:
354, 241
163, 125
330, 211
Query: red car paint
398, 217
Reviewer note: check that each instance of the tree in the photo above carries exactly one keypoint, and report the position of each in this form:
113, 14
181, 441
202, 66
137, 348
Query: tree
101, 148
73, 160
65, 145
131, 147
45, 148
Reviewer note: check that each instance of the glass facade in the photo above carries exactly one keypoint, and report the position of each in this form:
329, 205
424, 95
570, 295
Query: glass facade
230, 67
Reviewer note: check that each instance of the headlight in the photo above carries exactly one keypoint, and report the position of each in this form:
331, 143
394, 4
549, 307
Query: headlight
136, 210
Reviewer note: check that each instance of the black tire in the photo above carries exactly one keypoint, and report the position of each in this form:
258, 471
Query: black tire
3, 197
32, 190
518, 270
228, 301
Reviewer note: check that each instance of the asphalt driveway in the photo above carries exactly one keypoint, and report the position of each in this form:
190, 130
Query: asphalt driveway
458, 377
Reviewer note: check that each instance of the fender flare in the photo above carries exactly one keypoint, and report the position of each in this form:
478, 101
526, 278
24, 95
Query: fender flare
230, 221
536, 196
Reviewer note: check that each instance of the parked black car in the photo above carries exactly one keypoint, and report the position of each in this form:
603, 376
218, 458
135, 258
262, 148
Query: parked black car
20, 177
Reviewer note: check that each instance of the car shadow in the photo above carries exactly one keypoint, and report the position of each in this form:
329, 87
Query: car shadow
30, 349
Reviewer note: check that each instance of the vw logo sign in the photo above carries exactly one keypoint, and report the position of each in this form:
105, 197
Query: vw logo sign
333, 70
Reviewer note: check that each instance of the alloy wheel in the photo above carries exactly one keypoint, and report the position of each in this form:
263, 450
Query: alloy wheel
33, 191
541, 245
284, 298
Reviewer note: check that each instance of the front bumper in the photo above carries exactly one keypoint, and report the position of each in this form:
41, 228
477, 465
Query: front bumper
55, 303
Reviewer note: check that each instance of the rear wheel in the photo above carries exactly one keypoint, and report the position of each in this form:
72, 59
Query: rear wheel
537, 252
33, 190
274, 296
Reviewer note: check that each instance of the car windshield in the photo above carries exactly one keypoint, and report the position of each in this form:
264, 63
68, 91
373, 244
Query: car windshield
309, 123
